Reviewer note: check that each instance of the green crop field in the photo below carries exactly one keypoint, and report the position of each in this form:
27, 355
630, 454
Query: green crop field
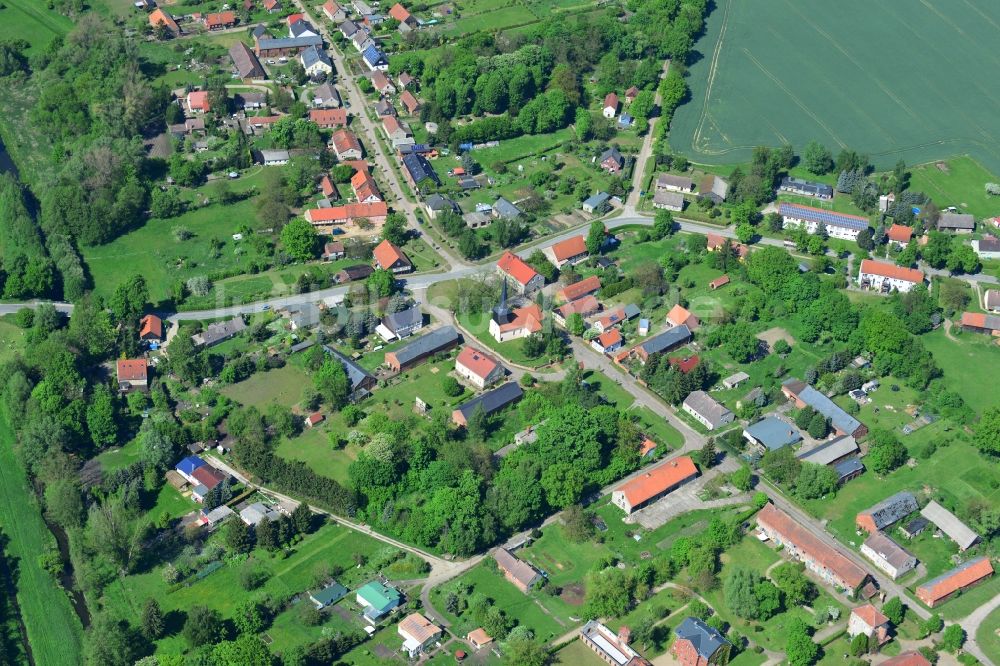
32, 21
905, 79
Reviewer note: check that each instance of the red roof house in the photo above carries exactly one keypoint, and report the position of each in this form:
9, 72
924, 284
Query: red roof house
679, 315
654, 484
569, 251
132, 373
610, 108
524, 276
220, 20
159, 17
328, 118
391, 258
899, 234
410, 102
478, 368
150, 328
197, 101
584, 287
939, 589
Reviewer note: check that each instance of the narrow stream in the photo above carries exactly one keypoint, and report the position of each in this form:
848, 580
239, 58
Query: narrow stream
68, 579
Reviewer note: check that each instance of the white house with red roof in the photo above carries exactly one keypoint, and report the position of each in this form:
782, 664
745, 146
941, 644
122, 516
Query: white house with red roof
570, 251
680, 316
524, 278
197, 101
869, 621
608, 342
885, 277
389, 257
478, 368
899, 235
132, 374
610, 108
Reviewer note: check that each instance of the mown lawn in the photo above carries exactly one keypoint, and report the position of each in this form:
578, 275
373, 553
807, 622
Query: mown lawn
962, 185
577, 654
988, 636
478, 324
282, 386
969, 365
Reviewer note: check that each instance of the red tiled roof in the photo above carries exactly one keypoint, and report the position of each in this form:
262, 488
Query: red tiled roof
529, 317
578, 289
263, 120
328, 116
380, 81
913, 658
364, 186
715, 241
646, 446
720, 281
899, 233
270, 4
391, 124
870, 615
158, 17
981, 320
583, 306
609, 338
658, 479
208, 476
954, 580
349, 211
514, 266
419, 628
631, 92
398, 12
893, 271
477, 362
220, 19
611, 100
679, 315
344, 140
386, 254
292, 18
569, 248
131, 370
409, 101
326, 186
331, 7
151, 325
315, 418
805, 541
685, 365
198, 99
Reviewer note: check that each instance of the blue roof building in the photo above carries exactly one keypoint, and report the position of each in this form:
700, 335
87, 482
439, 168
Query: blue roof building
187, 466
375, 58
772, 433
706, 643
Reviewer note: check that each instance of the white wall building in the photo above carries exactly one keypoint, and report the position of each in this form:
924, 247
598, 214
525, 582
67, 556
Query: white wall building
838, 225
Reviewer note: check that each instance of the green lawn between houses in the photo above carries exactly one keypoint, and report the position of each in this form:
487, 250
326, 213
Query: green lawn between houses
969, 365
988, 636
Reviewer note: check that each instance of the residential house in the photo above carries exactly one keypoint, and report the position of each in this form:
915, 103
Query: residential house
245, 63
611, 160
717, 242
206, 478
418, 634
418, 171
187, 466
516, 571
734, 380
436, 341
479, 639
505, 210
478, 368
651, 485
272, 6
220, 20
669, 201
133, 374
771, 434
274, 157
365, 188
328, 596
608, 342
667, 182
315, 62
899, 235
803, 394
888, 555
327, 96
823, 560
570, 251
585, 307
250, 100
353, 273
885, 277
962, 577
684, 364
409, 102
490, 402
885, 513
219, 331
813, 220
348, 29
404, 80
631, 94
361, 382
212, 519
328, 118
596, 203
977, 322
805, 188
382, 84
679, 316
523, 276
377, 599
346, 145
959, 223
437, 204
158, 18
402, 324
714, 188
256, 513
947, 522
911, 658
611, 647
333, 11
302, 28
585, 287
988, 247
390, 258
477, 219
325, 219
698, 644
375, 59
383, 108
707, 410
610, 108
197, 101
613, 318
151, 328
868, 621
664, 342
407, 22
270, 47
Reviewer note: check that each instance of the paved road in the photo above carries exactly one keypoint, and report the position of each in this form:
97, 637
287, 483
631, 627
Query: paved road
971, 624
639, 170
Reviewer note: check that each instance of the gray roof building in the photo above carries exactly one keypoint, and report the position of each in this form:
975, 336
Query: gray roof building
714, 188
887, 512
831, 452
708, 408
674, 337
772, 433
257, 512
425, 345
669, 181
705, 640
269, 43
302, 27
245, 61
404, 322
806, 188
219, 331
949, 523
956, 222
880, 546
505, 209
327, 95
491, 401
419, 169
358, 376
313, 55
438, 203
848, 469
841, 420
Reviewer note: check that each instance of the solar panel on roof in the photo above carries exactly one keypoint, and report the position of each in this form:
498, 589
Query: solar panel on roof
825, 216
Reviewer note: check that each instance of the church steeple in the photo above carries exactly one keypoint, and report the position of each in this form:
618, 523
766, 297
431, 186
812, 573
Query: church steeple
501, 313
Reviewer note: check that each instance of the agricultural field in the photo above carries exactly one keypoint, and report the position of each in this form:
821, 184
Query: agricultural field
31, 21
893, 97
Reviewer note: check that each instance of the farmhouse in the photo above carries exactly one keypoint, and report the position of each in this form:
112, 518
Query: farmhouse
610, 108
669, 201
329, 595
977, 322
962, 577
837, 225
698, 644
611, 647
667, 182
960, 223
585, 307
771, 434
377, 599
707, 410
611, 160
389, 257
315, 61
885, 277
365, 188
899, 235
664, 342
650, 486
885, 513
988, 247
220, 20
679, 316
418, 634
570, 251
361, 382
800, 543
579, 289
949, 523
803, 394
517, 571
887, 555
490, 402
219, 332
717, 242
868, 621
477, 368
324, 219
346, 145
608, 342
524, 277
245, 63
436, 341
402, 324
615, 317
713, 188
805, 188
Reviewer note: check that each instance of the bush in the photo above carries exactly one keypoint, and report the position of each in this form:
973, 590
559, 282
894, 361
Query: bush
252, 578
451, 387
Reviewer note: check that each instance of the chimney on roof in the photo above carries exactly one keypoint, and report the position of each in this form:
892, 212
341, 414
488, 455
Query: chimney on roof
625, 635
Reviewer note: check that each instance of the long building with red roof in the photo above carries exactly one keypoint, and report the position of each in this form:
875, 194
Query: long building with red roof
886, 277
324, 219
653, 484
940, 589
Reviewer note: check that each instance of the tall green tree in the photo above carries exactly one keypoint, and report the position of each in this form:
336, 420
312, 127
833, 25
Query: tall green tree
299, 239
595, 237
